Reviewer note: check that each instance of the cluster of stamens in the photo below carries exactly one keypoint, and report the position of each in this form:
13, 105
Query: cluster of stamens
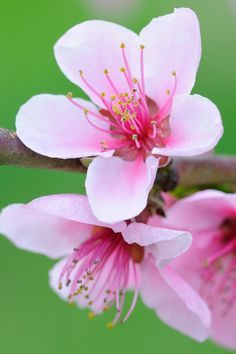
219, 272
99, 271
127, 113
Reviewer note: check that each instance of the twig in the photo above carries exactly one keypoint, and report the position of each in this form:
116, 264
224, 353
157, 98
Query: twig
204, 170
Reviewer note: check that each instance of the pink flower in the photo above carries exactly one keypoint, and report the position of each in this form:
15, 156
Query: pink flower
210, 264
102, 262
142, 84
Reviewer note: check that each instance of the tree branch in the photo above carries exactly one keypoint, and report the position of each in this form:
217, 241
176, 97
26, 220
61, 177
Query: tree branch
204, 170
14, 153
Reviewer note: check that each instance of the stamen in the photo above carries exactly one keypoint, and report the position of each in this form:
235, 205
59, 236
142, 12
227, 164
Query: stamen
164, 110
142, 68
106, 72
135, 138
88, 84
135, 295
129, 77
154, 129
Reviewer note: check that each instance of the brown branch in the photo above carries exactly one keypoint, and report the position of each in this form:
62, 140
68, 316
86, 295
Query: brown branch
14, 153
205, 170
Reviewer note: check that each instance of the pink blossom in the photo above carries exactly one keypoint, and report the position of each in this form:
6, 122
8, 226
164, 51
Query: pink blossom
210, 264
142, 84
101, 262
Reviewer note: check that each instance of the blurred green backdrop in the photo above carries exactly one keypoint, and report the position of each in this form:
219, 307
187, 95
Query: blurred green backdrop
32, 318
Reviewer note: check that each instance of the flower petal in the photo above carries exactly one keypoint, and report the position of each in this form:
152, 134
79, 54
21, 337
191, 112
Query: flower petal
51, 125
175, 302
118, 189
38, 232
195, 125
223, 327
72, 207
92, 47
200, 212
164, 244
172, 43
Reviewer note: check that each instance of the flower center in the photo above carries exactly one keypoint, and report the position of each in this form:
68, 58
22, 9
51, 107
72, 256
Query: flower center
134, 120
100, 271
219, 273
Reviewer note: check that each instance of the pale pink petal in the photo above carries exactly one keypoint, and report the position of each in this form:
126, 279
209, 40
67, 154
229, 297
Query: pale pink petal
175, 302
200, 212
172, 43
195, 127
51, 125
164, 244
118, 189
190, 266
38, 232
92, 47
223, 327
73, 207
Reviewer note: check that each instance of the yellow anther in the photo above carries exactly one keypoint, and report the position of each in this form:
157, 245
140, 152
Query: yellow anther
77, 292
135, 81
91, 315
103, 94
142, 46
120, 102
69, 95
173, 73
110, 325
153, 122
115, 109
126, 94
167, 92
86, 111
90, 303
122, 45
106, 72
60, 286
122, 70
86, 288
86, 296
134, 137
132, 127
113, 98
81, 72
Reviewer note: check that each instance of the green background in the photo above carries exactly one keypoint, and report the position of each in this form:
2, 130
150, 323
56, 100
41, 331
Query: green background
33, 319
